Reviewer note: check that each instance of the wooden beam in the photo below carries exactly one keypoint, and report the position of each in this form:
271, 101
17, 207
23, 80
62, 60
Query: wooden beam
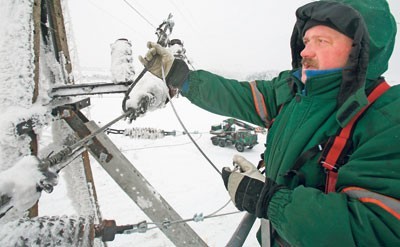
34, 211
76, 120
56, 20
90, 184
36, 46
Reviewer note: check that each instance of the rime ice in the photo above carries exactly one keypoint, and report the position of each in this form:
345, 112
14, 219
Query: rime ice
19, 182
122, 69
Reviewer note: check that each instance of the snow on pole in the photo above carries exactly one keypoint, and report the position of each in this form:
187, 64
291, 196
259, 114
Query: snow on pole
122, 69
17, 79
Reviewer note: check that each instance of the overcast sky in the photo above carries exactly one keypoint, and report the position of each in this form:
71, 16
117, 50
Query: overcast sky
232, 35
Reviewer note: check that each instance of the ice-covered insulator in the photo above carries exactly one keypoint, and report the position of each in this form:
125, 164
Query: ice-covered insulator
122, 69
48, 231
144, 133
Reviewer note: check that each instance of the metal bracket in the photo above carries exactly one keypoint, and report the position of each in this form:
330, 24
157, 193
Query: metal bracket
75, 106
76, 120
26, 127
108, 229
88, 89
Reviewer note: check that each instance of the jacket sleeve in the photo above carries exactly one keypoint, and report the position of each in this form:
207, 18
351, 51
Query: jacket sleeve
365, 210
235, 98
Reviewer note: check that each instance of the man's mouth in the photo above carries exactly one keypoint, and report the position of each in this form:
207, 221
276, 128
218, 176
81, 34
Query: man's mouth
309, 63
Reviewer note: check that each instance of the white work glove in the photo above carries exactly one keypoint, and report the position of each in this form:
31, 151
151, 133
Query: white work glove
245, 168
21, 185
156, 57
248, 188
156, 92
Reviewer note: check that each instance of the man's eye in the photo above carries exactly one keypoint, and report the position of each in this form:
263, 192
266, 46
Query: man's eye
323, 41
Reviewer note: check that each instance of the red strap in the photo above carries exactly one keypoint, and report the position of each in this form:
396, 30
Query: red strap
341, 140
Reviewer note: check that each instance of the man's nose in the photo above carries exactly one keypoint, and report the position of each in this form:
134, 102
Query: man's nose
307, 52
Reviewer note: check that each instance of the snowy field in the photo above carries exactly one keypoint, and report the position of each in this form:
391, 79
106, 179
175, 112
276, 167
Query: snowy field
174, 167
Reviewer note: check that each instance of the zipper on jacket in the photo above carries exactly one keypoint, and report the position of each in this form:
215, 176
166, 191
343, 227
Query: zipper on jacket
277, 137
304, 91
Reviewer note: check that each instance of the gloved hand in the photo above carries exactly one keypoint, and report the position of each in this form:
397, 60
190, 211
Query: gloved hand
176, 70
248, 188
155, 91
156, 57
21, 185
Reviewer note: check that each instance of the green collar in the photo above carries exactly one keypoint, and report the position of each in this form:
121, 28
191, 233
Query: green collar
329, 85
325, 83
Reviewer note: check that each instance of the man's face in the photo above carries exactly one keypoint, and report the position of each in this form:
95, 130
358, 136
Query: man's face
325, 48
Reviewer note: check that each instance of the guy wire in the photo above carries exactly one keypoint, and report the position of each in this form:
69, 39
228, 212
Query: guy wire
184, 127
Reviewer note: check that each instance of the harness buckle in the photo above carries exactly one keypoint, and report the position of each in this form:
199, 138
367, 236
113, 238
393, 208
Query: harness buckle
329, 167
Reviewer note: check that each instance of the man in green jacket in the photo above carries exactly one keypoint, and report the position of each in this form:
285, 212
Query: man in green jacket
340, 49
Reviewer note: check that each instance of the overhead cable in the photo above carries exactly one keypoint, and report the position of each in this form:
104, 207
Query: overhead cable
130, 27
187, 20
144, 18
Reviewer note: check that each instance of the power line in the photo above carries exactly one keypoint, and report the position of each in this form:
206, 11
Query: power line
139, 6
182, 14
144, 18
116, 18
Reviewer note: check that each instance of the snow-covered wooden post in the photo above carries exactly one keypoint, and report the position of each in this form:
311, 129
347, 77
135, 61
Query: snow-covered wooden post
25, 77
59, 41
34, 211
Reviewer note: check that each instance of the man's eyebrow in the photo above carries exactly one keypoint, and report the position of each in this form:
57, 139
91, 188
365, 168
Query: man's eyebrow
317, 36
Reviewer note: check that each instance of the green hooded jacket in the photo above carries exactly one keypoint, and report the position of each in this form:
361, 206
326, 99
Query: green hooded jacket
302, 214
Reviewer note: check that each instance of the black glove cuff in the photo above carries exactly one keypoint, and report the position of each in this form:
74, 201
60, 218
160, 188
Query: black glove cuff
268, 190
178, 74
248, 193
225, 176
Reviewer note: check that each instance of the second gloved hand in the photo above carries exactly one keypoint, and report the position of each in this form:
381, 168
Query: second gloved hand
248, 188
155, 91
